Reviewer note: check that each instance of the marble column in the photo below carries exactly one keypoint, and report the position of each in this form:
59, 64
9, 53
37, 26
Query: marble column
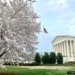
67, 48
56, 48
71, 49
59, 48
62, 49
74, 47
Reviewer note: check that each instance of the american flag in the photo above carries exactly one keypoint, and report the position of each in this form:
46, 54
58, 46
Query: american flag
45, 31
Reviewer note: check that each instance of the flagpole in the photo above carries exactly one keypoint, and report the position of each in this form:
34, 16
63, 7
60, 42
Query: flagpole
44, 32
43, 39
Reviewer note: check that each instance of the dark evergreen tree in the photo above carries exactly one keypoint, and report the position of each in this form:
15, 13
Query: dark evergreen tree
59, 58
52, 58
45, 58
37, 58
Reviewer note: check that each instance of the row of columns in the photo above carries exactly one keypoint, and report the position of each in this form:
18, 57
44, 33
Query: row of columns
67, 48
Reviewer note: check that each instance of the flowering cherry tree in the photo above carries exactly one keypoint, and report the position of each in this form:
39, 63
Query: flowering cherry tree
18, 30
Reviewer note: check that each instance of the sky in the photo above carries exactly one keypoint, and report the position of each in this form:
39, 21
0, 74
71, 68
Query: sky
58, 17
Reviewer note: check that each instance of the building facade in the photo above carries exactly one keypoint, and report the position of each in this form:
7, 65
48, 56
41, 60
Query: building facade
66, 46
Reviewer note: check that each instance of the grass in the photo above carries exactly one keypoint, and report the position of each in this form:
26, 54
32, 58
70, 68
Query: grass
26, 71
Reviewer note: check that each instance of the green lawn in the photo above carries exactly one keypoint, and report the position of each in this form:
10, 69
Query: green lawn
26, 71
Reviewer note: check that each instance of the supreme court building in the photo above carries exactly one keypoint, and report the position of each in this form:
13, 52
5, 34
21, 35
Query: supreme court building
66, 46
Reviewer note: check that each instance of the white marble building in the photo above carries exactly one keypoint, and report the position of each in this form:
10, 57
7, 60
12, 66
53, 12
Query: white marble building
66, 46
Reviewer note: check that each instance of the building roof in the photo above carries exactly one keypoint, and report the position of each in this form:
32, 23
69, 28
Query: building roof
62, 36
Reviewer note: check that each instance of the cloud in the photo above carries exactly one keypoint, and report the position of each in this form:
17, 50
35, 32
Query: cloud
57, 4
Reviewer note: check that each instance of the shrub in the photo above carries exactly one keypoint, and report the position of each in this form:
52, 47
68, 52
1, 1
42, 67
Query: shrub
37, 58
45, 58
52, 58
59, 58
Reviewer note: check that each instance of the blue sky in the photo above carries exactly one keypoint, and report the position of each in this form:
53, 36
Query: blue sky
58, 17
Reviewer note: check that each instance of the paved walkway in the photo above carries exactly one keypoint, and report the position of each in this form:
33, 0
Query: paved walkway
47, 67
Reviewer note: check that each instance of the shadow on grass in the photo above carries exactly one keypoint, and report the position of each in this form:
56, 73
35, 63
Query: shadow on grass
8, 74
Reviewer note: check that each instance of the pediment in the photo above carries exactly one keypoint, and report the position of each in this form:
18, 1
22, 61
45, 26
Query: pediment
57, 38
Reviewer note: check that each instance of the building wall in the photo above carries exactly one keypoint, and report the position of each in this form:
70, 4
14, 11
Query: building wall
65, 46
